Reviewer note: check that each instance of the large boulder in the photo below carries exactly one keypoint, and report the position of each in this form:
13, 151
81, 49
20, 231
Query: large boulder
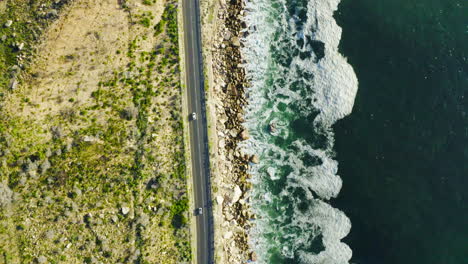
272, 127
228, 235
235, 41
244, 135
125, 210
255, 159
236, 194
219, 199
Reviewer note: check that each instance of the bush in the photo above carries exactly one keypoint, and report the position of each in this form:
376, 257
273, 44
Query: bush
145, 21
129, 113
159, 27
177, 212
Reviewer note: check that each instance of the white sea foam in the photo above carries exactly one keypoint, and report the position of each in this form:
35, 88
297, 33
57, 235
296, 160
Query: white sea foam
289, 193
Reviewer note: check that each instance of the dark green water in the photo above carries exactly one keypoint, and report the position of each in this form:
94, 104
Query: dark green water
403, 152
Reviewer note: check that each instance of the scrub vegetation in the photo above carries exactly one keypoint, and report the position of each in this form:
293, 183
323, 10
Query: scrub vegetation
92, 161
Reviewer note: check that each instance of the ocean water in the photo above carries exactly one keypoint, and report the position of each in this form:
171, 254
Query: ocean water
403, 152
300, 86
363, 159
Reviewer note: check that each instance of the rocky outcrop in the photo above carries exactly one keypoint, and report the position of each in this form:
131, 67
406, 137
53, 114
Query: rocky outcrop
229, 100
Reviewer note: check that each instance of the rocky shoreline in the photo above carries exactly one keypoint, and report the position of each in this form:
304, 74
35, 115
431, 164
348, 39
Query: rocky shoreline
226, 101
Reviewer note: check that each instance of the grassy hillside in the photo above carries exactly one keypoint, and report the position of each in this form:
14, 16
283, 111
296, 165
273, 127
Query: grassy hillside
92, 165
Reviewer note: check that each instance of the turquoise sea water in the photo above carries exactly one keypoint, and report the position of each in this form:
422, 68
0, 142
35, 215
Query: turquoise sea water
365, 159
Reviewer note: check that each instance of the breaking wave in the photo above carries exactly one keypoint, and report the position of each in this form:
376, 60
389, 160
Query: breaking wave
300, 86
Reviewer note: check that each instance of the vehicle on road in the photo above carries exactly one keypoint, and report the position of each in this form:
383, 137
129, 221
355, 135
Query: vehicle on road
199, 211
193, 116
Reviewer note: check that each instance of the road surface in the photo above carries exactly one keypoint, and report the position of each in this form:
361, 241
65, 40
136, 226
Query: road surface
198, 131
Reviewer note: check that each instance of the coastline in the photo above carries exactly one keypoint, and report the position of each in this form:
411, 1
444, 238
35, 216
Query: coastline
226, 99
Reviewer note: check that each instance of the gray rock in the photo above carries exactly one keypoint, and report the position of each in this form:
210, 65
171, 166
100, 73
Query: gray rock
114, 219
227, 36
244, 135
255, 159
125, 210
228, 216
233, 133
228, 235
272, 127
253, 256
48, 200
6, 195
89, 139
48, 153
41, 260
219, 199
235, 41
49, 234
52, 13
13, 84
222, 144
45, 165
236, 194
143, 219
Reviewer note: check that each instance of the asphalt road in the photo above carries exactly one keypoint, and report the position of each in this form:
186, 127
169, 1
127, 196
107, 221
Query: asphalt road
198, 131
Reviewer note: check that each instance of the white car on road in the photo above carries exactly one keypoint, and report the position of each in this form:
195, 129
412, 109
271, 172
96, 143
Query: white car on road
199, 211
194, 116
